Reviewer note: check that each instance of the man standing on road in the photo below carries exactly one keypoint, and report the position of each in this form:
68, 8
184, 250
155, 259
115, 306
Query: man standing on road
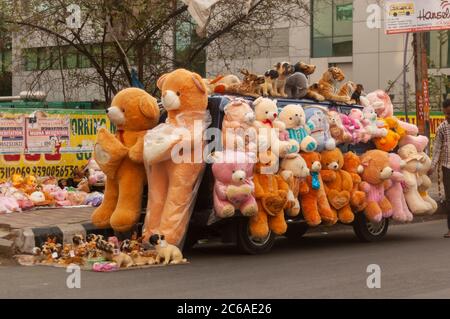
441, 157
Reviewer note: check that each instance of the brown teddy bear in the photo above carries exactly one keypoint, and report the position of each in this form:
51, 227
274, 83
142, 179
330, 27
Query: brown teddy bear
314, 202
271, 193
133, 111
338, 184
171, 151
352, 164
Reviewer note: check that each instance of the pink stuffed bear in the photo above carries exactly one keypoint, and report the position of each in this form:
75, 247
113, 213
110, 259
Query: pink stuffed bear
376, 178
352, 127
382, 104
359, 132
395, 193
233, 187
237, 127
8, 204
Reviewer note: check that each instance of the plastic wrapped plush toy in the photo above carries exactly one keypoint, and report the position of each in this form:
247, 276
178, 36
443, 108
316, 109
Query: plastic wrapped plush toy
320, 129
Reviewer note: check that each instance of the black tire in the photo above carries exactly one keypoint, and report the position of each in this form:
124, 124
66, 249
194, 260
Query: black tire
296, 231
368, 232
247, 245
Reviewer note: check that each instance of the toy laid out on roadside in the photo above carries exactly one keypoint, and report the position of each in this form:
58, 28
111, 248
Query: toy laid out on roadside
120, 157
233, 186
173, 155
170, 254
375, 180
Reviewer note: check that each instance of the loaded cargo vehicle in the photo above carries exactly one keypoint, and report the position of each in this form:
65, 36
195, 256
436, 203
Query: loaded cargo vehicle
205, 225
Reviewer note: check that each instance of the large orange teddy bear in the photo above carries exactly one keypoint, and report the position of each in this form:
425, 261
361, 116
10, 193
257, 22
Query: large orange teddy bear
133, 111
314, 202
271, 193
338, 184
173, 155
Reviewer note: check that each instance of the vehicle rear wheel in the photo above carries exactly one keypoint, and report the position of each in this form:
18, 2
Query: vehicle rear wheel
367, 231
296, 231
249, 245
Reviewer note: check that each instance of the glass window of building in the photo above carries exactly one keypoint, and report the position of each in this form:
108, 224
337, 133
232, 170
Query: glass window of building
30, 58
439, 49
332, 28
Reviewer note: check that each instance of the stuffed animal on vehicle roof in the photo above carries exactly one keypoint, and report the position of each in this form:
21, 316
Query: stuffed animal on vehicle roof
294, 118
227, 80
294, 171
297, 83
271, 193
326, 86
338, 184
347, 90
173, 155
250, 85
238, 132
394, 194
352, 165
284, 70
375, 179
337, 129
313, 199
269, 127
133, 111
424, 182
233, 186
320, 129
267, 88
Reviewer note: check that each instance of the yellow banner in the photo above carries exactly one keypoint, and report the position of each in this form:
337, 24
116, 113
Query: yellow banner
47, 143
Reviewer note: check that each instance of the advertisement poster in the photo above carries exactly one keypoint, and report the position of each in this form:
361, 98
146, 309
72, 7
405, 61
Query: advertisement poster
50, 143
416, 15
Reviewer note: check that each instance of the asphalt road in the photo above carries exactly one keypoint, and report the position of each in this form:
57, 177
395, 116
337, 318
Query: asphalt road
414, 261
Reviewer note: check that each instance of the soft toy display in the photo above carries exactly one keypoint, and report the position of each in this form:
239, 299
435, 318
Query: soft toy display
250, 86
233, 187
294, 118
326, 86
389, 142
227, 80
271, 193
347, 90
352, 165
417, 205
372, 126
297, 83
133, 111
237, 127
315, 206
425, 183
338, 184
351, 127
294, 171
320, 129
268, 127
376, 178
360, 133
173, 180
395, 193
337, 129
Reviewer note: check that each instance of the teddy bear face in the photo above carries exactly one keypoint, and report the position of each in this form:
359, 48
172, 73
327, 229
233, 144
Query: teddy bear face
334, 119
182, 91
265, 109
352, 163
376, 167
332, 160
239, 110
233, 167
356, 114
293, 116
313, 161
369, 114
268, 163
381, 102
296, 165
133, 109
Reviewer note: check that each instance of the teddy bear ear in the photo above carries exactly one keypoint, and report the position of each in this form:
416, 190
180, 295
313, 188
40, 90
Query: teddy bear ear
161, 81
198, 81
366, 162
148, 106
257, 101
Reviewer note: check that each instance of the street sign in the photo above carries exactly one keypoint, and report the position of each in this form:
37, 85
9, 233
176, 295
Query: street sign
402, 16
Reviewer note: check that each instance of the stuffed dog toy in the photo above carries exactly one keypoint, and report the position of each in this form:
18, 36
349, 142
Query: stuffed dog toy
169, 253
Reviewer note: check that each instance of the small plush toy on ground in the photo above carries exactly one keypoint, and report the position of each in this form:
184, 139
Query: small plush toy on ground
169, 253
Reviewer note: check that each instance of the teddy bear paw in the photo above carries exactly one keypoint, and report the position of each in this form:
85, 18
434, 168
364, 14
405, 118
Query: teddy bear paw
228, 211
